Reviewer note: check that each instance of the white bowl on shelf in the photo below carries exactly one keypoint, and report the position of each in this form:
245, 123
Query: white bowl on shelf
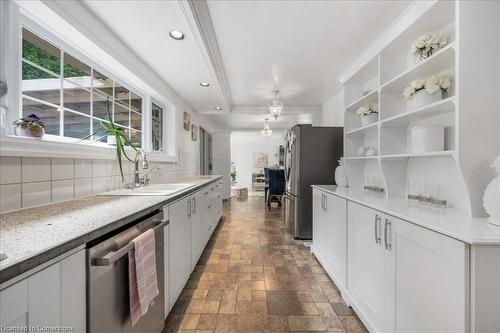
427, 138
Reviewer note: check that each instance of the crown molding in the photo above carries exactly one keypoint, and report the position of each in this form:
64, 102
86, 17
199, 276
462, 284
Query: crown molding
198, 18
407, 18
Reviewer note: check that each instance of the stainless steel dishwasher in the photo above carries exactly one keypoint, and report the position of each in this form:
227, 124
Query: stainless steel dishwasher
107, 280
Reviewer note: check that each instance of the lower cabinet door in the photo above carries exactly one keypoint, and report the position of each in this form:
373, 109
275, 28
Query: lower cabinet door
14, 306
318, 213
366, 265
335, 232
198, 234
179, 247
429, 273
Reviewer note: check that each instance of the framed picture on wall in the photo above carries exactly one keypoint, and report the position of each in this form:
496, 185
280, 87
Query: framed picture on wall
194, 132
187, 121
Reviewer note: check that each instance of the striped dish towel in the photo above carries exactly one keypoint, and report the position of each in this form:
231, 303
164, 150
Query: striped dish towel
143, 286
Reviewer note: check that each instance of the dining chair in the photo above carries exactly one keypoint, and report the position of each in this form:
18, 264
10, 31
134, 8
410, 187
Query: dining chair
276, 186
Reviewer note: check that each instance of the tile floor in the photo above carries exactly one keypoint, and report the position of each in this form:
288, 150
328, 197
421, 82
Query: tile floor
253, 277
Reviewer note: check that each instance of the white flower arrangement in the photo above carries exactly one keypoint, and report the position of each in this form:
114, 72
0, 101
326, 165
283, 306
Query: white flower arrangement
430, 84
366, 110
427, 44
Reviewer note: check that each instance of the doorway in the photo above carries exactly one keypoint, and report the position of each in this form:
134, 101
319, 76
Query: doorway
205, 152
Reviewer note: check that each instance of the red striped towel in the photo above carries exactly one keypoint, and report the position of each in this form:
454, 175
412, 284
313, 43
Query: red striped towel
143, 286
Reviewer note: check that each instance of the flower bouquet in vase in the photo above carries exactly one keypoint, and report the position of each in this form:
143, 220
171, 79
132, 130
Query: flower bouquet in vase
427, 90
368, 114
426, 45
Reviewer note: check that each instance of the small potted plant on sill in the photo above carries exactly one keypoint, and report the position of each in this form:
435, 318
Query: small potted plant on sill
30, 126
427, 90
368, 114
427, 44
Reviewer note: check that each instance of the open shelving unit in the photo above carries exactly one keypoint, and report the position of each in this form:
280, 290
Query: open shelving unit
381, 81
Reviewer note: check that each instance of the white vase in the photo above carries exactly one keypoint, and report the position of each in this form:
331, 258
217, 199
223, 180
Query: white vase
369, 119
422, 97
19, 131
341, 178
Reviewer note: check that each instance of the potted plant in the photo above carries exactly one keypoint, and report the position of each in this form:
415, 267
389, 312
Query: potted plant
30, 126
233, 173
368, 114
121, 139
427, 90
427, 44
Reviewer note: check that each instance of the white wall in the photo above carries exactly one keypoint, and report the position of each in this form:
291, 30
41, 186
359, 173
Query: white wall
244, 144
333, 110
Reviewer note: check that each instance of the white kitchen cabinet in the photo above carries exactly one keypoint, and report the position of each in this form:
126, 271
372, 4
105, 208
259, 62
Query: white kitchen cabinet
405, 278
330, 235
52, 296
366, 265
179, 247
427, 279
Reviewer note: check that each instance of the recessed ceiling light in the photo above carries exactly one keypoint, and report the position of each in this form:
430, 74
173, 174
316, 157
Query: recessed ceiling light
204, 84
218, 108
176, 34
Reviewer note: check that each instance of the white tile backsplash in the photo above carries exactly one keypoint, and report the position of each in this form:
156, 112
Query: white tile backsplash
35, 194
99, 184
10, 170
99, 168
63, 168
83, 168
83, 187
10, 197
62, 190
33, 181
35, 169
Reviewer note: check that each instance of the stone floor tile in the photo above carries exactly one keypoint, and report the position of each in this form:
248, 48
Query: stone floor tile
189, 322
283, 303
352, 324
305, 323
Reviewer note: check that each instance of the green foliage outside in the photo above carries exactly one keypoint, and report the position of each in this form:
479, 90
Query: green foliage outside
45, 60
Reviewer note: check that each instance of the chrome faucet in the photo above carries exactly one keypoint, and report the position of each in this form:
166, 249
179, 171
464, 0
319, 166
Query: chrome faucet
140, 155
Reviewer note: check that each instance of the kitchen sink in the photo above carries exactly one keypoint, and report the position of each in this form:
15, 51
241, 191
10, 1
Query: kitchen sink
151, 190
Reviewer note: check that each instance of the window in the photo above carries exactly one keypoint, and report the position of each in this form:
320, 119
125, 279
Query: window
71, 97
157, 127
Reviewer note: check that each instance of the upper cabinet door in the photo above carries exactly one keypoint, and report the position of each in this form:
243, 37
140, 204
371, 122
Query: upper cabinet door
429, 280
366, 264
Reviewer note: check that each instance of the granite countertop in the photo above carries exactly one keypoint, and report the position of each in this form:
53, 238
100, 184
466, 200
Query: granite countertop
448, 221
29, 237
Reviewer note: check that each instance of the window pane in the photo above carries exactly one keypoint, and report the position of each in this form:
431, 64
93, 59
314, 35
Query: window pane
75, 125
135, 102
122, 94
48, 114
121, 115
157, 126
76, 98
39, 84
135, 120
102, 84
76, 71
41, 52
135, 138
100, 108
99, 137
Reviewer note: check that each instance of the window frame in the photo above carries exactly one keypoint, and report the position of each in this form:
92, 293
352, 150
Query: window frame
54, 145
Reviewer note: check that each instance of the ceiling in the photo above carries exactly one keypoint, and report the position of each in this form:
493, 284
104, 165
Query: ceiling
298, 47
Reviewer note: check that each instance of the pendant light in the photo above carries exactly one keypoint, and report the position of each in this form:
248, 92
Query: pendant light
266, 132
276, 106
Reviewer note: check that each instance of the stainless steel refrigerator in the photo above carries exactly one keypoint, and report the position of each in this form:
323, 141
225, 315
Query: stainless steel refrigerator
311, 156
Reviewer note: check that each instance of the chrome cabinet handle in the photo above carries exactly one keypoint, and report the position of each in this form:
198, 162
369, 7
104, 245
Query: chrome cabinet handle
386, 235
189, 208
326, 203
322, 201
194, 205
377, 223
